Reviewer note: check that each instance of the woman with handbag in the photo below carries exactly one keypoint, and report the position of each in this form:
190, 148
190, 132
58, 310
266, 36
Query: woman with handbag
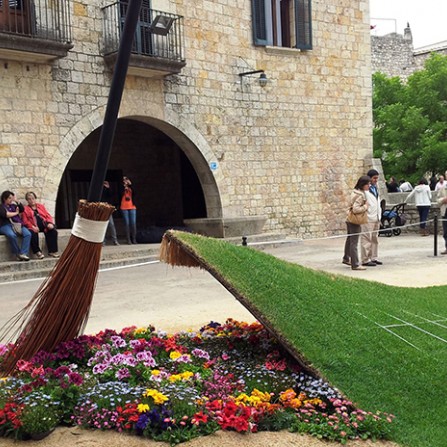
37, 219
357, 215
11, 225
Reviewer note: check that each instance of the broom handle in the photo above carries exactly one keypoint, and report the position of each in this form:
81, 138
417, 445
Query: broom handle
113, 103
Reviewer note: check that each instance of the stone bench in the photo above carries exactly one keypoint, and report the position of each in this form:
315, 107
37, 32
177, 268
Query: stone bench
5, 249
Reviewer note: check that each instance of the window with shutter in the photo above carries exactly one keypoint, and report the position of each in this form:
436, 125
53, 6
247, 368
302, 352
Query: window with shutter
282, 23
303, 28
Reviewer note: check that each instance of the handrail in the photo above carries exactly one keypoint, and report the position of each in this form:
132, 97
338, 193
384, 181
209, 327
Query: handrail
148, 40
41, 19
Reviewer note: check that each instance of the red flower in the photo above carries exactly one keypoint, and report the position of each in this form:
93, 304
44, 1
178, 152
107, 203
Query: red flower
276, 366
129, 416
10, 414
214, 405
199, 418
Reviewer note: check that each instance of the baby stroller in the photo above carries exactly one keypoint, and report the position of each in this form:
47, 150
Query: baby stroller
392, 219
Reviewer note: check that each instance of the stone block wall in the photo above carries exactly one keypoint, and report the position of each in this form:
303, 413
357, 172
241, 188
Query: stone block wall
290, 151
392, 55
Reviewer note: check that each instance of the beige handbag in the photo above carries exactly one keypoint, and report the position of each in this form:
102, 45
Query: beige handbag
357, 219
16, 227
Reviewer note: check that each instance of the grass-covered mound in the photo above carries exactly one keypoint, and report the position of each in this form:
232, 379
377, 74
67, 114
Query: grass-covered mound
384, 347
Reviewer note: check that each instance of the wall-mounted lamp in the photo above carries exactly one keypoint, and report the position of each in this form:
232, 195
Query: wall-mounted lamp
161, 24
263, 80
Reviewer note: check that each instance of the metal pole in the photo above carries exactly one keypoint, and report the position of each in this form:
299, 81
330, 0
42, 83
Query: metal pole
435, 231
114, 101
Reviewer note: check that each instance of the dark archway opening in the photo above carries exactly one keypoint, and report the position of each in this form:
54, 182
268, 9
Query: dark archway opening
168, 189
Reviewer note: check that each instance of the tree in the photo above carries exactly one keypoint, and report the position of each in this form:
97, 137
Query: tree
410, 121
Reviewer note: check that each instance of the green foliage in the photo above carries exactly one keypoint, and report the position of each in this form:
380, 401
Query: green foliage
178, 435
39, 419
337, 324
410, 121
280, 420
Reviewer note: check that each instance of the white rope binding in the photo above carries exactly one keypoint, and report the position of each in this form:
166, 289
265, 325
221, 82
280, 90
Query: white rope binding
89, 230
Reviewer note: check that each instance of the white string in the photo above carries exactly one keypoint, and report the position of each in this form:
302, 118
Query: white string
89, 230
338, 236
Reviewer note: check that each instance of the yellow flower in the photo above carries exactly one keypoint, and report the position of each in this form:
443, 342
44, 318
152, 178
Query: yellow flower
140, 330
155, 372
242, 398
174, 355
142, 408
254, 401
158, 397
263, 397
313, 401
175, 377
294, 403
182, 376
289, 394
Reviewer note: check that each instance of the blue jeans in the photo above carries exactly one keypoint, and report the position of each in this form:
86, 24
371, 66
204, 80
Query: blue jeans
423, 215
130, 219
7, 230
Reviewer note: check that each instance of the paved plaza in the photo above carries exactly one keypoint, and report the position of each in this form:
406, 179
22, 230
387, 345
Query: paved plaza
180, 298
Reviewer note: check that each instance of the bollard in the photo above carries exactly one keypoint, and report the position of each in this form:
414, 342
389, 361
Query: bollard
244, 241
435, 234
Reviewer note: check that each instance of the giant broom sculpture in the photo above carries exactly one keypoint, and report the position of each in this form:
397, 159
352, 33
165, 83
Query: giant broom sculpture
59, 310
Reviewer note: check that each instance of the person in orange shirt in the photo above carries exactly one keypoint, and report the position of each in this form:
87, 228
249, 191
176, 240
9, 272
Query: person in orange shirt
129, 210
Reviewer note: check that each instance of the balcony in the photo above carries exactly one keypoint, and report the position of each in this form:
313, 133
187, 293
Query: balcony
34, 30
157, 49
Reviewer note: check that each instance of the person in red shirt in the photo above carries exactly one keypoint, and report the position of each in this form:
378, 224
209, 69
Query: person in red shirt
129, 210
37, 219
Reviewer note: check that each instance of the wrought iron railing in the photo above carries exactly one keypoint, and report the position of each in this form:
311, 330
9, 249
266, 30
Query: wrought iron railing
158, 34
43, 19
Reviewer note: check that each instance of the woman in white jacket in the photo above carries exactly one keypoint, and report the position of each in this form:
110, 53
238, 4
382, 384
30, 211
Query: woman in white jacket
422, 198
442, 202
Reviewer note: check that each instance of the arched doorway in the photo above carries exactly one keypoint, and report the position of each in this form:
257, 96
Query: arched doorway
168, 187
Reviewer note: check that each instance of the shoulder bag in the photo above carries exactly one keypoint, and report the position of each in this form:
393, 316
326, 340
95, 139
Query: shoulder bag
16, 227
357, 219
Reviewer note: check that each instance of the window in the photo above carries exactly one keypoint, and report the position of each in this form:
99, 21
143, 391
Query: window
143, 40
282, 23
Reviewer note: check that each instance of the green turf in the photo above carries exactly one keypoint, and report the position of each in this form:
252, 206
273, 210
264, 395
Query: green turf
332, 320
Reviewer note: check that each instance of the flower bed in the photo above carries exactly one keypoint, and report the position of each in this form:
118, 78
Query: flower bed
176, 387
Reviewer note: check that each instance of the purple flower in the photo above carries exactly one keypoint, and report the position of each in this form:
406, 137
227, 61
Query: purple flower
134, 344
185, 358
75, 378
142, 422
146, 358
61, 371
99, 368
122, 373
200, 353
118, 342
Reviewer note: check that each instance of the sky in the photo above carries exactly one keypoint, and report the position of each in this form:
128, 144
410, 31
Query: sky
427, 19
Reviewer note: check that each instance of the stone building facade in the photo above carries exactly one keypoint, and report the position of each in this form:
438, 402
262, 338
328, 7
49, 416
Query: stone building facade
204, 143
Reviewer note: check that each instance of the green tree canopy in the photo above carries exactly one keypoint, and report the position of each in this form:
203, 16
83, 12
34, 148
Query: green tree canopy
410, 121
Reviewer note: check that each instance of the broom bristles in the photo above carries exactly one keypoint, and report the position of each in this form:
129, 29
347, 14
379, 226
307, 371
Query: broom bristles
173, 253
59, 309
